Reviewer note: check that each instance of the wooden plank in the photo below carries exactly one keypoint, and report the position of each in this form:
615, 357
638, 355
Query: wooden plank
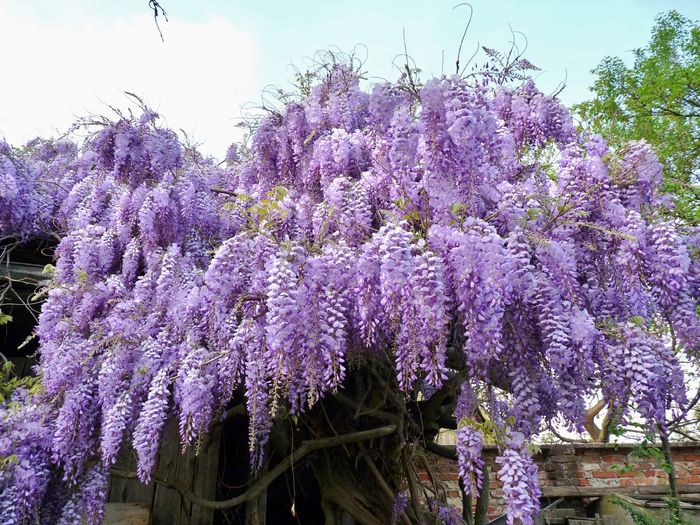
122, 490
206, 474
126, 514
591, 492
692, 498
169, 507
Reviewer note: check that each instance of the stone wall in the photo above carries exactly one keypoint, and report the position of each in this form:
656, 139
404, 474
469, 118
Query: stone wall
585, 470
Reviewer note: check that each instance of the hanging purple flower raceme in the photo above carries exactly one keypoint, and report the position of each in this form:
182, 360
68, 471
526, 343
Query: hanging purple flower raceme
533, 117
323, 299
521, 488
412, 302
86, 504
76, 423
25, 443
251, 337
284, 332
667, 269
114, 424
19, 197
150, 424
422, 338
470, 441
668, 263
477, 262
194, 392
345, 210
645, 370
569, 364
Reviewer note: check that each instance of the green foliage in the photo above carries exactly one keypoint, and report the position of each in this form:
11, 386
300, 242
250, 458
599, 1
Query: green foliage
9, 382
6, 461
5, 318
656, 99
644, 517
494, 433
638, 515
645, 449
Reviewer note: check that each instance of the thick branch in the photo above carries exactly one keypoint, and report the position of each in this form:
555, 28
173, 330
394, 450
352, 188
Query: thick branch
668, 459
589, 423
431, 407
442, 450
261, 484
409, 468
381, 481
370, 412
223, 191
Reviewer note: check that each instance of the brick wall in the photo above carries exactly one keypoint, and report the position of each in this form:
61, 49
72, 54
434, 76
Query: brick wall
584, 470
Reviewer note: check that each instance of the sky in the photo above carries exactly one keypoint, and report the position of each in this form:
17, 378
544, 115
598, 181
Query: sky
66, 59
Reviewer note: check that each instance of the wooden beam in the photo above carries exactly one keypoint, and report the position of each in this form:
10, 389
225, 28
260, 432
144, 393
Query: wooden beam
31, 274
126, 514
592, 492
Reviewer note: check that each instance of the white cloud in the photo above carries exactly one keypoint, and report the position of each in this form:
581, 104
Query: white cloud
55, 71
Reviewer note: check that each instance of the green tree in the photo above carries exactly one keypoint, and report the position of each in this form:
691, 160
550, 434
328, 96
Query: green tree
656, 99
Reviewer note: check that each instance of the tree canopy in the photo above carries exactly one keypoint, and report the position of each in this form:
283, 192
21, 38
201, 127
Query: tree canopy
656, 98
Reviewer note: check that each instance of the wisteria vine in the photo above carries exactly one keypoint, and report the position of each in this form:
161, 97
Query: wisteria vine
470, 231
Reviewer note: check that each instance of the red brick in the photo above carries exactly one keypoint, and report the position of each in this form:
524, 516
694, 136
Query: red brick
604, 474
449, 476
453, 494
631, 474
693, 479
614, 459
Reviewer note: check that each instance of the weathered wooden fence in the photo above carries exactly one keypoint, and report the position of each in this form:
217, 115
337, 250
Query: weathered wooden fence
196, 473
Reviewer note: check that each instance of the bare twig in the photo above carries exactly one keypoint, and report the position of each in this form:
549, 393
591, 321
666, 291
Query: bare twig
464, 34
157, 9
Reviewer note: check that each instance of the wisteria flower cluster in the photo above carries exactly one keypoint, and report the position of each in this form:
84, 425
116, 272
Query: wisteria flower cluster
430, 228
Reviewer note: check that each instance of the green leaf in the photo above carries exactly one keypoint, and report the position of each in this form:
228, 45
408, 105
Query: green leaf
82, 276
5, 319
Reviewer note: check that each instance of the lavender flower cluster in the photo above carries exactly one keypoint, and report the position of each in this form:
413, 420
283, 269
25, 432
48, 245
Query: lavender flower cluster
356, 224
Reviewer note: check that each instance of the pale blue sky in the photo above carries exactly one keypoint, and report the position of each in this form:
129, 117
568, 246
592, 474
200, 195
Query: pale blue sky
68, 56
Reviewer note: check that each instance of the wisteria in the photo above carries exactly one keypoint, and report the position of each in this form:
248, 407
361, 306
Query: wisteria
470, 441
462, 236
519, 475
